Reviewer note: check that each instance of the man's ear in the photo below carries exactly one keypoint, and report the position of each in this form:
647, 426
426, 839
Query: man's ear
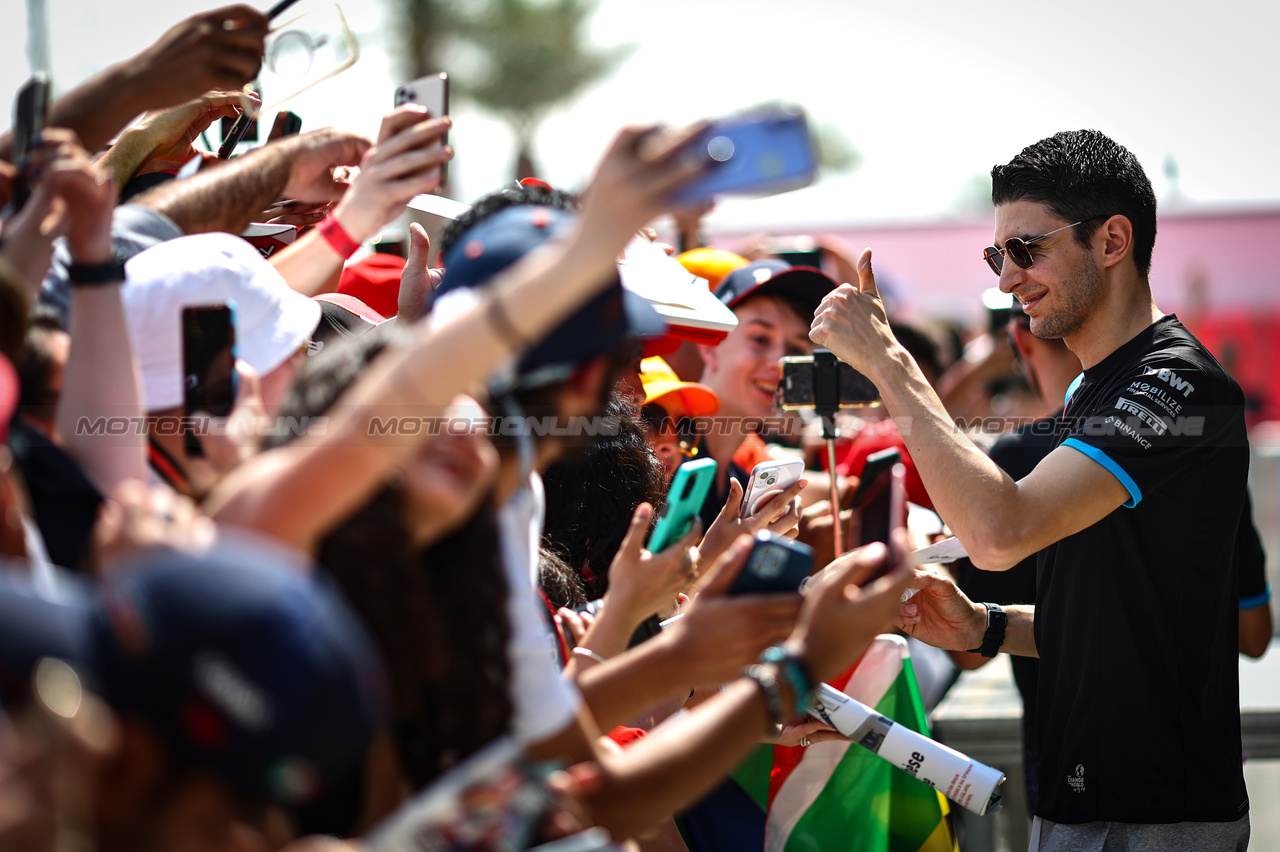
1023, 339
1117, 240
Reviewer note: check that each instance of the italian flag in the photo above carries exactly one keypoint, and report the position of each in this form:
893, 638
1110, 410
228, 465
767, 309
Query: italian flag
839, 795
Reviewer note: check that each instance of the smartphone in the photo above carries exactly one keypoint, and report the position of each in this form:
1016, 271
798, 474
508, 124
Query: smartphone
775, 564
802, 382
432, 92
884, 511
287, 123
762, 152
689, 489
874, 469
30, 109
768, 479
208, 364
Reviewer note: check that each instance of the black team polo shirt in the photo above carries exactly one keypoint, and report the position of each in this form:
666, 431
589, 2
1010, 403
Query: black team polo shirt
1138, 709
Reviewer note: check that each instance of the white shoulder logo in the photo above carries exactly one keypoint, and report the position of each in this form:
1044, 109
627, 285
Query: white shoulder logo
1171, 378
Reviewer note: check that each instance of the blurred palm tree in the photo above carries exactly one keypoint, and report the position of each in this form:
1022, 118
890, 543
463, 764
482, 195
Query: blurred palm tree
531, 55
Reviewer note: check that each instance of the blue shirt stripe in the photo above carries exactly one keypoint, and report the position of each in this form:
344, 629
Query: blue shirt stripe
1135, 493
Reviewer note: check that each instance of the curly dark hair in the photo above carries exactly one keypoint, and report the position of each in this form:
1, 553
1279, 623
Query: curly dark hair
591, 497
439, 615
1081, 175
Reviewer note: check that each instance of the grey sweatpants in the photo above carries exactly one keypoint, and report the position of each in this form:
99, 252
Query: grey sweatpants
1049, 836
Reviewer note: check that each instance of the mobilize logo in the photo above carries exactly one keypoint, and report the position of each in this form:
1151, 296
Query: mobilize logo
1076, 782
1171, 378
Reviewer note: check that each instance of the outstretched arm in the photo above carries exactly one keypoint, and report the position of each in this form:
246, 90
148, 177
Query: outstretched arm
218, 49
1000, 521
226, 197
288, 492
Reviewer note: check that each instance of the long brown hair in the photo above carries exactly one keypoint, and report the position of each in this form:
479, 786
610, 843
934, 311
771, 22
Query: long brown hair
439, 613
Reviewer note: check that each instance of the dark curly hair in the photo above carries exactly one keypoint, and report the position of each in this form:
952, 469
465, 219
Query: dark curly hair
439, 614
591, 497
1079, 175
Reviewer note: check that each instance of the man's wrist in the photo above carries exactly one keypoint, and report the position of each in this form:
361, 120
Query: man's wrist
994, 624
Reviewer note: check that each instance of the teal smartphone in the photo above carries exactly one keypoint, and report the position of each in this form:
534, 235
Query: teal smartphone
689, 489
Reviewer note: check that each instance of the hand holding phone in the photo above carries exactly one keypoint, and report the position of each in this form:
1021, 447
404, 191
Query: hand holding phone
30, 109
762, 152
689, 489
768, 479
775, 565
431, 92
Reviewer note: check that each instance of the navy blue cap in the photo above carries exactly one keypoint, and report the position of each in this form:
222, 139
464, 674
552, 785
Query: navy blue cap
248, 667
803, 284
603, 325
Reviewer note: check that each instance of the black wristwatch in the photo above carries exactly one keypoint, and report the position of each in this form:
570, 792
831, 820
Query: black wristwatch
96, 274
997, 621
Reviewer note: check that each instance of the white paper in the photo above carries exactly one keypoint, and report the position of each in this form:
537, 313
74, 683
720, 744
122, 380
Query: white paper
947, 550
438, 205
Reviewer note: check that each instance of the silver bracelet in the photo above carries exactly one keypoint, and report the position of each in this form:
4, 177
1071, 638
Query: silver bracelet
590, 654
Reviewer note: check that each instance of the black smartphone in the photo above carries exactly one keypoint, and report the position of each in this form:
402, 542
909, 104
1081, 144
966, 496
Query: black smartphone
432, 92
764, 151
208, 364
800, 380
30, 109
775, 564
883, 506
287, 123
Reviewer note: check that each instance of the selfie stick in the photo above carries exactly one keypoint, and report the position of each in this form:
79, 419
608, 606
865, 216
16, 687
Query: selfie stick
826, 402
970, 784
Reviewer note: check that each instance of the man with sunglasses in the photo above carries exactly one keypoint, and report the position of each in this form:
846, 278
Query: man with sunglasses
1133, 513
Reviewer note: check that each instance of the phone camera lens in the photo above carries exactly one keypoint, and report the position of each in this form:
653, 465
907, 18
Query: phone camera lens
720, 148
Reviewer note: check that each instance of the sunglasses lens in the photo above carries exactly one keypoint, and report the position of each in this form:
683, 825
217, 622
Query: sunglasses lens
994, 258
1018, 250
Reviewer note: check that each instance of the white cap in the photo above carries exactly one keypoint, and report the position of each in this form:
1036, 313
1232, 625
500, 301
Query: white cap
272, 320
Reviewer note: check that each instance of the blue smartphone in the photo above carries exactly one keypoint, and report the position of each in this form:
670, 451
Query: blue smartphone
760, 152
776, 564
689, 489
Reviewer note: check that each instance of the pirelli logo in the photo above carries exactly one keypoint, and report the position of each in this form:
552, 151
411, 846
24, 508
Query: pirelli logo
1158, 426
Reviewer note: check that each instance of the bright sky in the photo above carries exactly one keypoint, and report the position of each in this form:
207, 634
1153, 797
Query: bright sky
931, 93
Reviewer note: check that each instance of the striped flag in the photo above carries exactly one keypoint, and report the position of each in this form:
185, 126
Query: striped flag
839, 795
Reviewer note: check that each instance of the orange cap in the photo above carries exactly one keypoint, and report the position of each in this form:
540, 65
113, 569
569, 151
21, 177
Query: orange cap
712, 264
680, 399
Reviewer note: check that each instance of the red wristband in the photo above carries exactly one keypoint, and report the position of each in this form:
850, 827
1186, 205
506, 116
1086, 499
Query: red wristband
337, 237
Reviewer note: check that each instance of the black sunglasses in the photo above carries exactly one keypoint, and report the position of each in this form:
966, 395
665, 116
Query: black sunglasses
1016, 247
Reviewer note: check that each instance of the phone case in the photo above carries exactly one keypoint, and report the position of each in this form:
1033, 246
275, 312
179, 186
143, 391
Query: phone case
767, 479
689, 489
759, 153
877, 465
776, 564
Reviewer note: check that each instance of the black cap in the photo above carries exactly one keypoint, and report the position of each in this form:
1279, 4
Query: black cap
802, 284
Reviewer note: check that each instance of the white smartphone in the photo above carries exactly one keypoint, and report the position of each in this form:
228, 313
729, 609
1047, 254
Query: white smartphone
768, 479
432, 92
